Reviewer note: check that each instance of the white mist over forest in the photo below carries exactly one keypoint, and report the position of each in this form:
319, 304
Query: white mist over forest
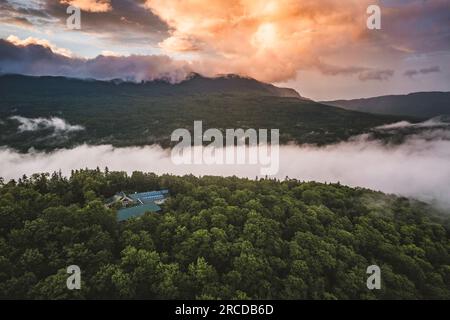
419, 167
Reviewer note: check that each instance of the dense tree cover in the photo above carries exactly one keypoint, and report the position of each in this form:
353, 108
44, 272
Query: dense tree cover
130, 114
217, 238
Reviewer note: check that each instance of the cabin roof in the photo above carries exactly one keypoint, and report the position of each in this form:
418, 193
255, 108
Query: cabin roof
147, 197
137, 211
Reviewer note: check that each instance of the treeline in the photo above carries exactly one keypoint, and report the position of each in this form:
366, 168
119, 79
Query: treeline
217, 238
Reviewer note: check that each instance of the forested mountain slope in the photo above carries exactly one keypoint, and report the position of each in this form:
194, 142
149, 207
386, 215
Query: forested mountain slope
127, 114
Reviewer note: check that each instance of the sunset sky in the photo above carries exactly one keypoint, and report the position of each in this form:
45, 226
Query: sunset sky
321, 48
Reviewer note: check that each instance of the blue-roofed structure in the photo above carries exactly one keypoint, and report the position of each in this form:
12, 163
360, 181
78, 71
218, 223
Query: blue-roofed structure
136, 204
149, 197
137, 211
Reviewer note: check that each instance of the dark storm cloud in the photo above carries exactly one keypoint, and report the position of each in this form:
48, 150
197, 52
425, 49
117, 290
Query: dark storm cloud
127, 20
26, 14
378, 75
413, 72
430, 70
36, 59
20, 9
363, 73
29, 59
333, 70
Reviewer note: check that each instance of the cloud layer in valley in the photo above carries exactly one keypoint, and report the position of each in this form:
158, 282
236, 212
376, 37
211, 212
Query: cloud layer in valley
418, 168
431, 123
54, 123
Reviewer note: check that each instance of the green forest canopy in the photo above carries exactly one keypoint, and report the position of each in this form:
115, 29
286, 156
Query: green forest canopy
217, 238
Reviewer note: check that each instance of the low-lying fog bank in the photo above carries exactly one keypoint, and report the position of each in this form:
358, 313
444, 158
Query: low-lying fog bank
418, 168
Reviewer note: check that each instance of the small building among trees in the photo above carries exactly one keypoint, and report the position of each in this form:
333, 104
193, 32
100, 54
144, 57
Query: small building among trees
136, 204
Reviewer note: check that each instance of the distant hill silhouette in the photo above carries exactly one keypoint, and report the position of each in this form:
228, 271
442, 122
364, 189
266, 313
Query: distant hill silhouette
419, 104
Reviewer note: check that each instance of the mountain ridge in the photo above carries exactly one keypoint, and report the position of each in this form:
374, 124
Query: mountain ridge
130, 114
424, 104
194, 83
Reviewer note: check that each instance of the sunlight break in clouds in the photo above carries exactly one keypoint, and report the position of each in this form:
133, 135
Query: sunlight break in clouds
243, 36
418, 168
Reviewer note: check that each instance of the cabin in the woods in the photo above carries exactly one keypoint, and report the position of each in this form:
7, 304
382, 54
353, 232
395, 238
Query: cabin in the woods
136, 204
157, 197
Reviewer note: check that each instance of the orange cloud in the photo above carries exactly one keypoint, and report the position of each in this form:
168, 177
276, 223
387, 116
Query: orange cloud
42, 42
266, 39
90, 5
